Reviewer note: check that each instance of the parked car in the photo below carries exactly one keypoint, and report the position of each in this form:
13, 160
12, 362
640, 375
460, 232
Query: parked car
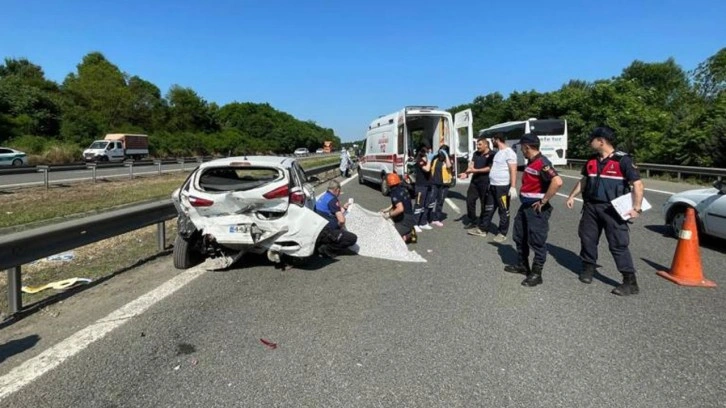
320, 151
232, 206
12, 157
710, 205
301, 151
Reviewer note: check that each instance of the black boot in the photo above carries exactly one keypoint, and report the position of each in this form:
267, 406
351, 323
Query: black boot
629, 286
534, 277
521, 267
588, 270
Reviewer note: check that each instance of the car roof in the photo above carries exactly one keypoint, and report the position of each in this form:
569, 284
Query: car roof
277, 161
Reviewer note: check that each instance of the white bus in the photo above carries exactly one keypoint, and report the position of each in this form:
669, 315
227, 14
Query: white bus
391, 138
552, 135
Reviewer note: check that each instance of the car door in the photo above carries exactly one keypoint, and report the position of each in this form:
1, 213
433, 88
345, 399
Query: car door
464, 136
300, 179
715, 217
6, 157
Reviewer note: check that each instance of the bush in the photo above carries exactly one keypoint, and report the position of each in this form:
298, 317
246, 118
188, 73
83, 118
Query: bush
62, 153
32, 145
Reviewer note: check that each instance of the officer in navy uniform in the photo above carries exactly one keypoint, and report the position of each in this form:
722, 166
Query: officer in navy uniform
401, 210
540, 183
422, 189
479, 167
608, 174
334, 237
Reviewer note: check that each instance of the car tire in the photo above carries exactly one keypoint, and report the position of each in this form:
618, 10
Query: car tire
17, 162
676, 218
184, 255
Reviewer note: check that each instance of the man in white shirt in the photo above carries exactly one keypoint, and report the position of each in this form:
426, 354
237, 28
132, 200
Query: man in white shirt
502, 186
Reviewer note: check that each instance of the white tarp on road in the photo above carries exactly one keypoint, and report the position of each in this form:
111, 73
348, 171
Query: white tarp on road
377, 237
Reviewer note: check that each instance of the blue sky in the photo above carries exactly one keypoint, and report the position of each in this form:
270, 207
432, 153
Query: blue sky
343, 63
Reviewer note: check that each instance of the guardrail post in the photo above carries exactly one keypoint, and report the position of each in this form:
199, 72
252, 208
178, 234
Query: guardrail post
158, 164
130, 165
647, 173
181, 161
44, 170
92, 166
200, 160
679, 175
161, 235
15, 296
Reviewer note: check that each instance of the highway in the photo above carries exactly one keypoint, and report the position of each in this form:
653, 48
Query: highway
455, 331
70, 176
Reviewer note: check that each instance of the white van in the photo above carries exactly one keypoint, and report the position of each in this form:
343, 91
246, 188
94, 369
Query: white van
392, 138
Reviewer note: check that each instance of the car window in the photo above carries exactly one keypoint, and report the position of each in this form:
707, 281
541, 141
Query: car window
5, 151
237, 179
300, 174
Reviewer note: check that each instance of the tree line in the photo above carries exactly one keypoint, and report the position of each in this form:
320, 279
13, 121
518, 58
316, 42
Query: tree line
660, 112
98, 98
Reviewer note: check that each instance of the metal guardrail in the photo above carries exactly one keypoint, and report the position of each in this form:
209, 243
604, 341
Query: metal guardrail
667, 168
145, 162
23, 247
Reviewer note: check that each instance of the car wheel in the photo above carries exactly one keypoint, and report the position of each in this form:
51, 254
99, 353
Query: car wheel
385, 190
17, 162
678, 215
184, 255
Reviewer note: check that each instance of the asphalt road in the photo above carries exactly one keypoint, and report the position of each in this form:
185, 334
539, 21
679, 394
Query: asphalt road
456, 331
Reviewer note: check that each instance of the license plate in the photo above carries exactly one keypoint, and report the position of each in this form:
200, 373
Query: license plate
240, 228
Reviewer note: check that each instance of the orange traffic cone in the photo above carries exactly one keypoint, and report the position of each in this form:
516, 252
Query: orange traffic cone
686, 268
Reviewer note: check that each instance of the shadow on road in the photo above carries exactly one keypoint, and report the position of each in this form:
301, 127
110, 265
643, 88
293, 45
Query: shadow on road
13, 347
571, 261
705, 241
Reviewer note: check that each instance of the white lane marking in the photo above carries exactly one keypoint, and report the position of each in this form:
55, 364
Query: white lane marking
647, 189
565, 195
342, 183
453, 206
30, 370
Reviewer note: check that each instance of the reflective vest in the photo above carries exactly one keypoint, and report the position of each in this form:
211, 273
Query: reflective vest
605, 179
438, 167
321, 207
535, 180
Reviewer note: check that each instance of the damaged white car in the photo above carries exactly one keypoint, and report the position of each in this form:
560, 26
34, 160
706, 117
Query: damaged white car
257, 204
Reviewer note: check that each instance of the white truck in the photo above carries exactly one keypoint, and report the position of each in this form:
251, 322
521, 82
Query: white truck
118, 147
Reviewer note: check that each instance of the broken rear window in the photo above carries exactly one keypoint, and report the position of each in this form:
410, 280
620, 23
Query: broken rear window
237, 179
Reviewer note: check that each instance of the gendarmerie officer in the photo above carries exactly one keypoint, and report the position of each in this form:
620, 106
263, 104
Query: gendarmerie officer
540, 183
608, 174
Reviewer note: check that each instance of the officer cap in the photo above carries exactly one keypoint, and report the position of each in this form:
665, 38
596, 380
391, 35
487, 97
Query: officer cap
529, 139
603, 132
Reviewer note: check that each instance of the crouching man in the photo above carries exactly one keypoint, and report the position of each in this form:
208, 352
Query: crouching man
401, 210
334, 237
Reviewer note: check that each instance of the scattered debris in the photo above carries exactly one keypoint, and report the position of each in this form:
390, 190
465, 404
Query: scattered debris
177, 368
185, 349
57, 285
62, 257
269, 344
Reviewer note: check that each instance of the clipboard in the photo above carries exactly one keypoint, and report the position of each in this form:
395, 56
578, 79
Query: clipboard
624, 203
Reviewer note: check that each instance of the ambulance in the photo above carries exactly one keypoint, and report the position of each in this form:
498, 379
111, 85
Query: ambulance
393, 139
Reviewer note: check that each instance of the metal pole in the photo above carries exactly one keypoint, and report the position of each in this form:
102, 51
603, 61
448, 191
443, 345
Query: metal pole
161, 235
15, 296
181, 161
94, 174
158, 164
45, 179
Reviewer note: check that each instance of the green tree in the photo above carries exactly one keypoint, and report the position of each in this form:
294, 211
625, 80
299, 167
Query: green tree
97, 100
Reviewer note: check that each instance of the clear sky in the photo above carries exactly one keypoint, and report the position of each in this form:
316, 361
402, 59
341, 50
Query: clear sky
343, 63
